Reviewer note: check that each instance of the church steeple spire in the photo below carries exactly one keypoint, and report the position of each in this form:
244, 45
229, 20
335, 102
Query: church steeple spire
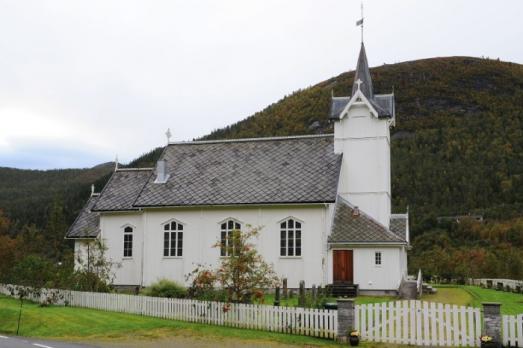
363, 75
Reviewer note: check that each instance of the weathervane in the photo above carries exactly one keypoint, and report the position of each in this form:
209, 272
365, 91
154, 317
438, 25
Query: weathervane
359, 23
168, 135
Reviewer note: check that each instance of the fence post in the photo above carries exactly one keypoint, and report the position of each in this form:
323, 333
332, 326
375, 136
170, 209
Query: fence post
345, 318
492, 320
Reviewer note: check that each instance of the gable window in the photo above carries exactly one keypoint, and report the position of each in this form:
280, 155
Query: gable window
290, 238
128, 242
172, 239
226, 240
377, 258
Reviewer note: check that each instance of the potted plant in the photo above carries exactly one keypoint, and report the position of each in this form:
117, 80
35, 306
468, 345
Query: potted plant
354, 337
488, 342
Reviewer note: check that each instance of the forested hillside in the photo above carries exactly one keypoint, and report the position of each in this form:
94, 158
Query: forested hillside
457, 148
26, 196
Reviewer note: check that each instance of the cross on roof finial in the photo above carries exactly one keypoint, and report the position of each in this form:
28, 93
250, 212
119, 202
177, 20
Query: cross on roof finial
358, 82
168, 135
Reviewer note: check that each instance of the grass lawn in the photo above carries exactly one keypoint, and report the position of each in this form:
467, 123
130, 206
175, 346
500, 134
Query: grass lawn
510, 303
79, 324
293, 302
459, 295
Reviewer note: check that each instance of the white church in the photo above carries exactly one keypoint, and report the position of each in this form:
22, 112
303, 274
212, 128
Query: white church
323, 203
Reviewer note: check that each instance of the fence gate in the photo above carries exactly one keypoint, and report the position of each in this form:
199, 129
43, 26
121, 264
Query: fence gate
513, 330
419, 323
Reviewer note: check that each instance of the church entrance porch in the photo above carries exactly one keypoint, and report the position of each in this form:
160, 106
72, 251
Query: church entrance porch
343, 274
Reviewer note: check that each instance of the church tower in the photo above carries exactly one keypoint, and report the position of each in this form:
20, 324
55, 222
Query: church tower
361, 134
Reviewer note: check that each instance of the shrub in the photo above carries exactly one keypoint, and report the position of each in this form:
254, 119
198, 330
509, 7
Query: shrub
165, 288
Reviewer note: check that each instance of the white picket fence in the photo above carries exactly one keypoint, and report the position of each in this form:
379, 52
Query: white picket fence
299, 321
419, 323
513, 330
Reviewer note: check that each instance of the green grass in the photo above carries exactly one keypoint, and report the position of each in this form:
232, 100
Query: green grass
86, 324
293, 302
510, 303
452, 294
81, 324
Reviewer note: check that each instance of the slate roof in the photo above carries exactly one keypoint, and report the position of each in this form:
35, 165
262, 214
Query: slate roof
363, 74
349, 227
87, 223
398, 224
122, 190
382, 103
301, 169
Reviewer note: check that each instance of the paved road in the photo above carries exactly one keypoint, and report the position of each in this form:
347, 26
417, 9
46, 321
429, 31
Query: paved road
17, 342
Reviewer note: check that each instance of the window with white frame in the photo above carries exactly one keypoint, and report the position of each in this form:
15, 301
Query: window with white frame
226, 239
377, 258
290, 238
128, 242
172, 239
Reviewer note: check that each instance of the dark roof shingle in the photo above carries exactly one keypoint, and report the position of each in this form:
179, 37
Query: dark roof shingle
122, 190
87, 223
350, 227
398, 224
247, 171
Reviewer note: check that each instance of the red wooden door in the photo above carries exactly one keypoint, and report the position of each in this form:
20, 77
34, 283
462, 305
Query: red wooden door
342, 266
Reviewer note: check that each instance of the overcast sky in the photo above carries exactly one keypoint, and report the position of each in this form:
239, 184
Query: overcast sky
82, 81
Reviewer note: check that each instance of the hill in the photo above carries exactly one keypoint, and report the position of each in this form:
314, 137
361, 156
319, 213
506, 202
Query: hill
27, 195
457, 148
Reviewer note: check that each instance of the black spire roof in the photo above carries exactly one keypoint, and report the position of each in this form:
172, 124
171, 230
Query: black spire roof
363, 74
383, 104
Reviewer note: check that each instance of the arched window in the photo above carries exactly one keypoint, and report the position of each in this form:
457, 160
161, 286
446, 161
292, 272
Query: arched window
128, 242
226, 242
290, 238
172, 239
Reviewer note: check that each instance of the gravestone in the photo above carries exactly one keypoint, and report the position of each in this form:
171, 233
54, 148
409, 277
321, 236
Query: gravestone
277, 296
301, 296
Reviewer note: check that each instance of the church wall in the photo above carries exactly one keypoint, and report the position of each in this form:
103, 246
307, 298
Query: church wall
112, 227
80, 253
367, 274
202, 230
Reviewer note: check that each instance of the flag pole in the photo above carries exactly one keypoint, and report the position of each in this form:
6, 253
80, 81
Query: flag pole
362, 21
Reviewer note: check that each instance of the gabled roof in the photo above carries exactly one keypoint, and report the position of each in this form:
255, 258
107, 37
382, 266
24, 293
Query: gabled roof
87, 223
301, 169
355, 226
123, 188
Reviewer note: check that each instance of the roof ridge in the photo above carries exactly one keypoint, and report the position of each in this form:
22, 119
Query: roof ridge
133, 169
240, 140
